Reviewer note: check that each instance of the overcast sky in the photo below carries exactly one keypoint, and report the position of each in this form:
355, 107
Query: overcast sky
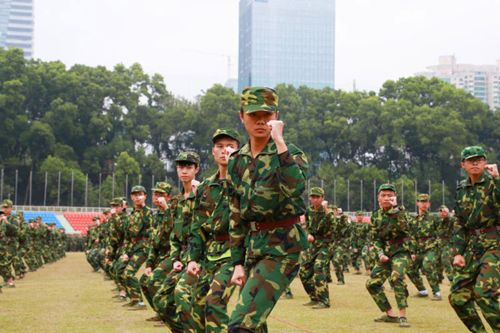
189, 41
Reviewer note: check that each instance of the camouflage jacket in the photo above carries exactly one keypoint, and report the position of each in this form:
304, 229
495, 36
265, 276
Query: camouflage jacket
182, 215
210, 220
320, 225
359, 235
341, 231
478, 215
445, 229
425, 231
390, 232
264, 189
117, 224
159, 242
92, 236
138, 230
7, 230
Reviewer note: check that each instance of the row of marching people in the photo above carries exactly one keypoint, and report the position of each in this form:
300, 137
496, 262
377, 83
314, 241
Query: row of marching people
26, 246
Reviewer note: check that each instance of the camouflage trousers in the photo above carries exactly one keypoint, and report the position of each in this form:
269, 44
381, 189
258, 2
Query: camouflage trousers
313, 271
93, 259
190, 303
268, 277
478, 283
369, 257
338, 258
356, 258
130, 281
446, 262
117, 270
428, 262
6, 265
151, 284
394, 270
217, 277
164, 302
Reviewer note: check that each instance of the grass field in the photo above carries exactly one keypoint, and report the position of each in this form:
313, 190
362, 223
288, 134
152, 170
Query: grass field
67, 297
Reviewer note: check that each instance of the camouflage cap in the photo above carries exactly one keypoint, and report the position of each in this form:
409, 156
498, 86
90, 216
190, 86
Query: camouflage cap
317, 191
226, 132
138, 188
358, 213
423, 197
116, 201
188, 156
106, 211
255, 99
7, 203
472, 151
387, 187
443, 207
96, 218
162, 187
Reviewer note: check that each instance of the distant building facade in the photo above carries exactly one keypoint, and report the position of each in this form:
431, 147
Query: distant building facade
482, 81
286, 41
17, 25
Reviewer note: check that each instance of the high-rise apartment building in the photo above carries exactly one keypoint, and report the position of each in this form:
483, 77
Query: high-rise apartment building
287, 41
482, 81
16, 25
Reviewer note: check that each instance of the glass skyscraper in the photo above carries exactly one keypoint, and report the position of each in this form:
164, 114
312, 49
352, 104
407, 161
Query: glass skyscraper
287, 41
16, 25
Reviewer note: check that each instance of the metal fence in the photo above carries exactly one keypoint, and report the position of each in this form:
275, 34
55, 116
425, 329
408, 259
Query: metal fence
67, 191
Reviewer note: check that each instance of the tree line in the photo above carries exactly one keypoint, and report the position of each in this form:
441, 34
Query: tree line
107, 129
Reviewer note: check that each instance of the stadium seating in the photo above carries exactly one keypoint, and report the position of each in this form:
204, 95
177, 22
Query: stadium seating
47, 217
80, 221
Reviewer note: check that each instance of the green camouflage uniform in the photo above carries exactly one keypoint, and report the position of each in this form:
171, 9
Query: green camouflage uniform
476, 238
136, 238
424, 230
391, 237
445, 232
158, 255
117, 224
359, 241
7, 231
209, 245
170, 301
266, 188
315, 260
92, 247
340, 245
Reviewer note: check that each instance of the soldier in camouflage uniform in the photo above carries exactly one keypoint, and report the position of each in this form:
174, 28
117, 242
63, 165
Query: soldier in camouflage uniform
315, 260
12, 243
137, 233
475, 242
396, 249
7, 230
445, 231
360, 231
93, 244
158, 264
175, 295
425, 231
267, 177
117, 223
340, 244
210, 254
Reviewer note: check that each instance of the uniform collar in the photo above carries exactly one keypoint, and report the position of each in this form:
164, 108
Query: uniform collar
269, 149
481, 180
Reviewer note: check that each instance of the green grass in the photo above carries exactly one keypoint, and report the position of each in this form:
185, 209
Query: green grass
67, 297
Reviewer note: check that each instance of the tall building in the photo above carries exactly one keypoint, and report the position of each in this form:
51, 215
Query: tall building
16, 25
481, 81
287, 41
